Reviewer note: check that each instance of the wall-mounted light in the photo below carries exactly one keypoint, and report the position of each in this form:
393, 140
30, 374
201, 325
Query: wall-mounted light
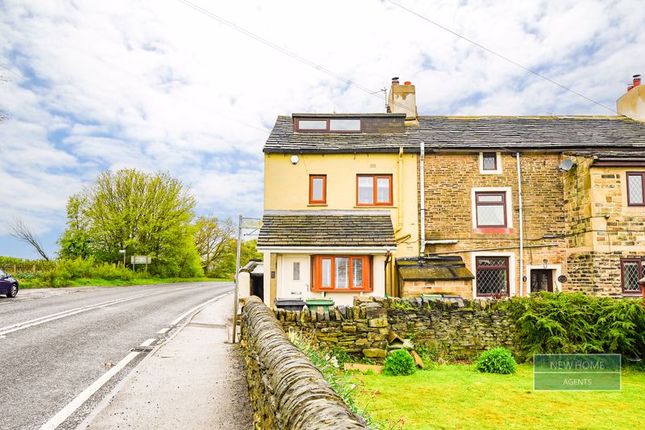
294, 159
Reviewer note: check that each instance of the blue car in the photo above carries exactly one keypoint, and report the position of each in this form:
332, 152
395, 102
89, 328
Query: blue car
8, 285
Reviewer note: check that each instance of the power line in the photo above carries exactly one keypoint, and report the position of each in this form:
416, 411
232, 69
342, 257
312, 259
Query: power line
284, 51
497, 54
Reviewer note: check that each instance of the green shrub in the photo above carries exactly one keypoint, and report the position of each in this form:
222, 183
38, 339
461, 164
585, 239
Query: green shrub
496, 360
549, 323
399, 362
330, 368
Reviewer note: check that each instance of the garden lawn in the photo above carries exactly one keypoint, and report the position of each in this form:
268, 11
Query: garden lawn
84, 282
458, 397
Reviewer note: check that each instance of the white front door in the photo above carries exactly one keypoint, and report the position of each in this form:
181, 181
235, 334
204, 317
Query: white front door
294, 282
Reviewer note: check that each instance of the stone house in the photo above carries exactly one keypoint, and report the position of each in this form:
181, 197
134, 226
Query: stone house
475, 206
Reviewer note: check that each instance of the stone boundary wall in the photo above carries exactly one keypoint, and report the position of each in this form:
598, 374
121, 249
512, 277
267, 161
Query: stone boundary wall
286, 390
453, 329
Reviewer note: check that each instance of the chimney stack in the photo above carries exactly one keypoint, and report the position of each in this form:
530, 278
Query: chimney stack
403, 99
632, 103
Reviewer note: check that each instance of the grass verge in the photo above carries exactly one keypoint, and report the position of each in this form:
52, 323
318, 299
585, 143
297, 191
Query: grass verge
458, 397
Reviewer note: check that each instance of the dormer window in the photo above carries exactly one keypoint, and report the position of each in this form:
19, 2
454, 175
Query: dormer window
312, 125
328, 125
345, 125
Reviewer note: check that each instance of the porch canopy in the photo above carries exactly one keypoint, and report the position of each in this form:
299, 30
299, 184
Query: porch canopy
436, 268
326, 229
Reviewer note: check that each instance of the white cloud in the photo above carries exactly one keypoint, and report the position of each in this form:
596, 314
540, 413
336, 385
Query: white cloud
159, 86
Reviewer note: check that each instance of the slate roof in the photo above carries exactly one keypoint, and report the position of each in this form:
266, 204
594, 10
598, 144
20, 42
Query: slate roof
436, 268
470, 133
326, 230
284, 140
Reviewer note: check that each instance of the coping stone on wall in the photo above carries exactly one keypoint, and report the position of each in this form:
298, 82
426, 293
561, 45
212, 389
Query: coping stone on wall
287, 391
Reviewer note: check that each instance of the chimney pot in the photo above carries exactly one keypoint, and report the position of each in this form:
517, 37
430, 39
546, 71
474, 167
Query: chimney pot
408, 83
637, 80
395, 80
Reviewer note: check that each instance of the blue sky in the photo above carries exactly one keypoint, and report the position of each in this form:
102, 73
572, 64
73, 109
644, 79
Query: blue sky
93, 85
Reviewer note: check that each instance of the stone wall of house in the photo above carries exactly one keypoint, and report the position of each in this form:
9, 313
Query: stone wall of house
602, 228
577, 203
452, 329
449, 180
286, 390
598, 273
618, 225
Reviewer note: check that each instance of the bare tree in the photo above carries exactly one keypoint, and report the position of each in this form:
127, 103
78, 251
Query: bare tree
213, 238
22, 232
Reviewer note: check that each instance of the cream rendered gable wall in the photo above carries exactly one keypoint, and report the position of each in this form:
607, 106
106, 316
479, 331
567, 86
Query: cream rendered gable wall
287, 187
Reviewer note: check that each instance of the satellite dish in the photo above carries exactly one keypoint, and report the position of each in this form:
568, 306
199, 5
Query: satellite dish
566, 165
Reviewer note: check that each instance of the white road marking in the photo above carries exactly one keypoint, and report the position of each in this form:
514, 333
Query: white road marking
63, 314
163, 330
148, 342
201, 305
53, 317
72, 406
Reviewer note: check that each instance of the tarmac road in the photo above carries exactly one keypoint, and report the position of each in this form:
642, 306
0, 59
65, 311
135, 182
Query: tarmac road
55, 343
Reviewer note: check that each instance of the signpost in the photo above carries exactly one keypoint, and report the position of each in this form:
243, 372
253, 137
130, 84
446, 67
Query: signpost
243, 223
140, 259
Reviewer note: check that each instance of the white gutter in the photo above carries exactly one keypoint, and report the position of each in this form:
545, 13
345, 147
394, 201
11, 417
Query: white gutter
521, 215
422, 205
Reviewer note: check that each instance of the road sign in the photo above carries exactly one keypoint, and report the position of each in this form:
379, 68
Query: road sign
251, 223
140, 259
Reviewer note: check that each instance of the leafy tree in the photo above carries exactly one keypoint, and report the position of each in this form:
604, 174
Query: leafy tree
145, 214
213, 240
225, 266
75, 241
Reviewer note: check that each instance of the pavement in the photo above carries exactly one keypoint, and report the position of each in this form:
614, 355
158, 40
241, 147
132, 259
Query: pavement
194, 380
63, 351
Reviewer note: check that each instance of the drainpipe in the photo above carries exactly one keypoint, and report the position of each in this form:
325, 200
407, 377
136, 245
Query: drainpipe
422, 205
521, 216
399, 185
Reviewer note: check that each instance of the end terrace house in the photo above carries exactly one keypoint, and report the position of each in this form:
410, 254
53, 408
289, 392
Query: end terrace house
489, 206
340, 204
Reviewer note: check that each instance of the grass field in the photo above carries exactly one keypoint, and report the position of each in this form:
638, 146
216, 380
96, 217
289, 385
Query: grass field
25, 283
458, 397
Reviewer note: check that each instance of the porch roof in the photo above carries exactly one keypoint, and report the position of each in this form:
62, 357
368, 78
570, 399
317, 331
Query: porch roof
318, 230
437, 268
